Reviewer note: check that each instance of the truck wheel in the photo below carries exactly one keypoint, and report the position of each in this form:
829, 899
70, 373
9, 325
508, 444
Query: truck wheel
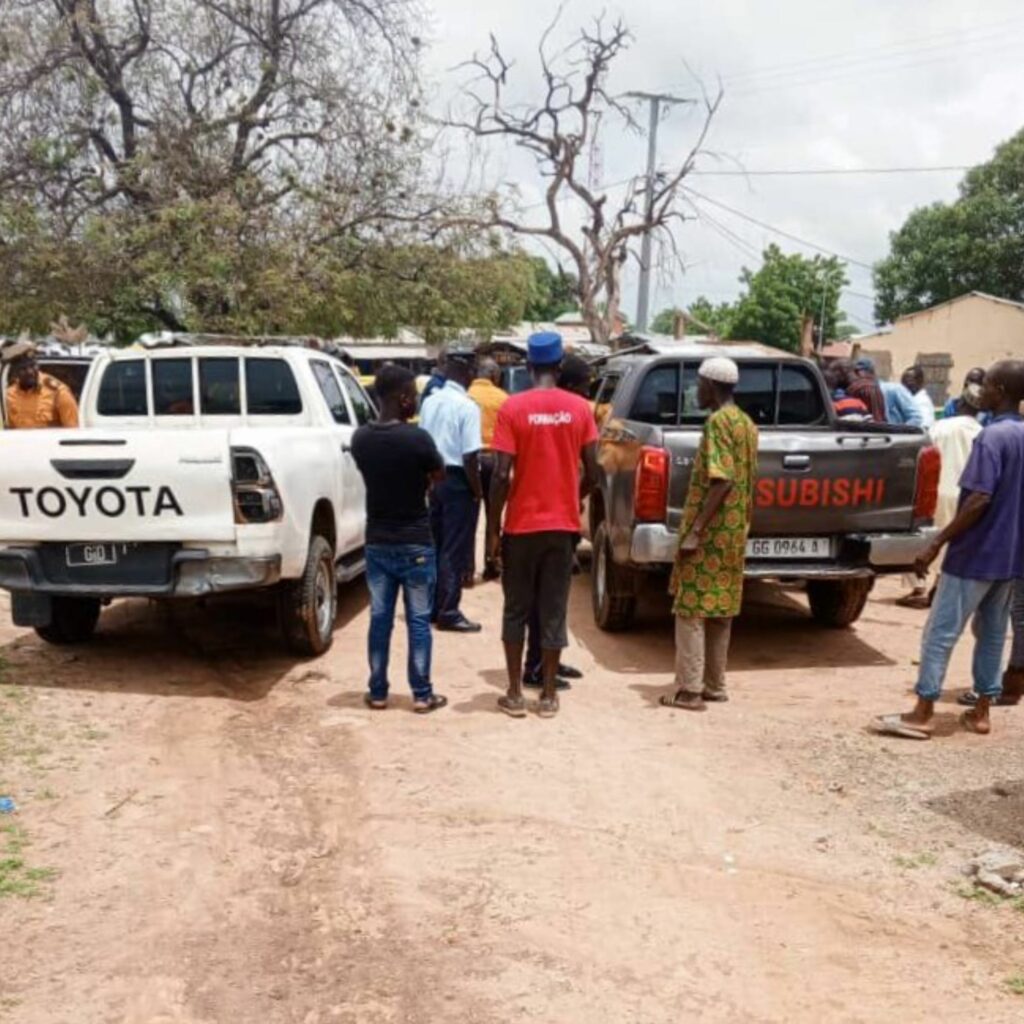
838, 603
308, 605
612, 588
72, 621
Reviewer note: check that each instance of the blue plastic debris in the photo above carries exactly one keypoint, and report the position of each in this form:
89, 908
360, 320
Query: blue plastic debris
7, 805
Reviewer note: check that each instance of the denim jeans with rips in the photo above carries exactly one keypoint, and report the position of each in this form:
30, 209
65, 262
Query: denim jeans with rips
413, 569
957, 601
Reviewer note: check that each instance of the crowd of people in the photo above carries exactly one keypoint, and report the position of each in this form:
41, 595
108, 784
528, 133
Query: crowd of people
531, 459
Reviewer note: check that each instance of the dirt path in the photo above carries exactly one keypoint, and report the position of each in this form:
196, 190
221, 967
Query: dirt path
237, 840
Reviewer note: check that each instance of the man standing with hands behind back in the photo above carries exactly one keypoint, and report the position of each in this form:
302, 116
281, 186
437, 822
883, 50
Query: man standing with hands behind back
707, 581
540, 438
452, 419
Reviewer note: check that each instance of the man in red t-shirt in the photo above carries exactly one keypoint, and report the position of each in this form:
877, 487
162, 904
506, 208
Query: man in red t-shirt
540, 437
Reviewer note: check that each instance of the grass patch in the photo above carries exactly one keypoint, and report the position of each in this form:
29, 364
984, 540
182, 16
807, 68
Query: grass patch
918, 860
977, 894
1015, 983
17, 877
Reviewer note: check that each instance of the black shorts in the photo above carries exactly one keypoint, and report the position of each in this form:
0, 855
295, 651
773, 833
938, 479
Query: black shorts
536, 571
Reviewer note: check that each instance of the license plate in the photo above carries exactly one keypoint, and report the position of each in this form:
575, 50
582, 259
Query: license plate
87, 555
789, 547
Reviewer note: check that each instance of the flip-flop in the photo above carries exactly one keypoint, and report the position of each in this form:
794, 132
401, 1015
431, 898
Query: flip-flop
433, 702
683, 702
714, 697
919, 601
374, 705
969, 722
512, 708
893, 725
547, 707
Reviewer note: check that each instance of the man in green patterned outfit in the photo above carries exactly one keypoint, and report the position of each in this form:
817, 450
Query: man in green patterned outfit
707, 581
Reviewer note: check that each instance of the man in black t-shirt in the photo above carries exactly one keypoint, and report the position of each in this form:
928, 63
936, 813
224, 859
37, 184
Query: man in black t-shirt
398, 462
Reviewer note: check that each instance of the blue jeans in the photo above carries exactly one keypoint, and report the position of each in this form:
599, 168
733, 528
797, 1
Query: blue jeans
956, 601
413, 567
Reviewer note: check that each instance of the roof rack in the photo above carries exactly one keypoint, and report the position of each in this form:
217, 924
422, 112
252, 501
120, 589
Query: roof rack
183, 339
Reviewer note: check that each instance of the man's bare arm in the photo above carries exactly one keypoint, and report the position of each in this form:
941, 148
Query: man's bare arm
718, 491
974, 506
500, 484
591, 470
471, 463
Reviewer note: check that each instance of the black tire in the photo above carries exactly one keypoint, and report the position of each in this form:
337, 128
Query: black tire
309, 605
73, 620
838, 603
612, 588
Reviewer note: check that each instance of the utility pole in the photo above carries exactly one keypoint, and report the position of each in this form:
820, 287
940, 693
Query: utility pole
655, 100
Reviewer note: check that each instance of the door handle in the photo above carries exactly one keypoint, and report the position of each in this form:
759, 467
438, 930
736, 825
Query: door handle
796, 463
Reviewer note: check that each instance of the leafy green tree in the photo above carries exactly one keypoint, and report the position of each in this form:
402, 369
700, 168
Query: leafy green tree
785, 289
554, 292
973, 244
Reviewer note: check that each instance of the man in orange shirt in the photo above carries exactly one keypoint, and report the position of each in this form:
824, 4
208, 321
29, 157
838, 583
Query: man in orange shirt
487, 393
36, 400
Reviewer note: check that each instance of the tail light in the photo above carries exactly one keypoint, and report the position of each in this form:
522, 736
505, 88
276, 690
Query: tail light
256, 498
926, 492
650, 499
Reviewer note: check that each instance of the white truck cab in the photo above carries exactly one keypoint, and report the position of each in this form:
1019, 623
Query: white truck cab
198, 469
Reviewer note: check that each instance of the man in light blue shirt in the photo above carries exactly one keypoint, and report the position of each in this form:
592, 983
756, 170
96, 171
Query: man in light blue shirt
452, 419
900, 406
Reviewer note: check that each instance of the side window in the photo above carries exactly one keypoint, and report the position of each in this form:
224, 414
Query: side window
123, 389
657, 401
799, 397
271, 388
604, 388
219, 392
755, 393
172, 387
361, 405
692, 413
331, 391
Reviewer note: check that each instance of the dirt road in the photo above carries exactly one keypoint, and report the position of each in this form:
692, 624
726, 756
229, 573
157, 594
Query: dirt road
236, 839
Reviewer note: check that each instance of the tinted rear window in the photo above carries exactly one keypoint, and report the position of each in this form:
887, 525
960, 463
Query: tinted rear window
219, 392
271, 388
172, 387
657, 401
123, 389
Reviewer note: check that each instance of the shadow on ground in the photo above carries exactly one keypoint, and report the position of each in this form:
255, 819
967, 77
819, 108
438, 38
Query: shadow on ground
228, 647
774, 632
995, 812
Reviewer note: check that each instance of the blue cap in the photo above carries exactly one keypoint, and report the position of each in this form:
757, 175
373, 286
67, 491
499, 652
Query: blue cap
544, 348
865, 364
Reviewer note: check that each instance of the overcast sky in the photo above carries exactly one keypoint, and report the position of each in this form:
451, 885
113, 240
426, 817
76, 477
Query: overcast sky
808, 85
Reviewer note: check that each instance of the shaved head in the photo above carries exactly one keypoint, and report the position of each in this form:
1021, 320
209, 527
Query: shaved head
489, 369
1003, 388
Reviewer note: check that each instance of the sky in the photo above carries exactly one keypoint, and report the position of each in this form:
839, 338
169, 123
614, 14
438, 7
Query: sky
807, 85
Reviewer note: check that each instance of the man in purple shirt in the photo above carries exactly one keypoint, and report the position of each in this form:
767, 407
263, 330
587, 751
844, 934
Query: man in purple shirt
985, 557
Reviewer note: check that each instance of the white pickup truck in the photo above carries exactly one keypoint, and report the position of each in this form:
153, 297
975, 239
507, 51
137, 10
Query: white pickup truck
198, 469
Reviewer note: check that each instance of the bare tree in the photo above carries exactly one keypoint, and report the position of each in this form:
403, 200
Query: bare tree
558, 133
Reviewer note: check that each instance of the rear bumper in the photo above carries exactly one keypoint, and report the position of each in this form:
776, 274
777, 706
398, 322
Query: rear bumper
194, 573
861, 554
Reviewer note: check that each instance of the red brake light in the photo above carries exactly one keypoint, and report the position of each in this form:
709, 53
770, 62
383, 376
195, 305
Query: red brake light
926, 493
650, 503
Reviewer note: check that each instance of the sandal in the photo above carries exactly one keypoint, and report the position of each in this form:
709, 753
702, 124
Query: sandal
375, 705
969, 721
714, 697
547, 707
432, 703
684, 701
514, 707
893, 725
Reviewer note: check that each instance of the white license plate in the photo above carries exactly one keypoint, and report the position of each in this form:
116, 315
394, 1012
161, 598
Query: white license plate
789, 547
78, 555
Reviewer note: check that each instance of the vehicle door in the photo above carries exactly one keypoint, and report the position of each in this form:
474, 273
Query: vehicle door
363, 411
348, 495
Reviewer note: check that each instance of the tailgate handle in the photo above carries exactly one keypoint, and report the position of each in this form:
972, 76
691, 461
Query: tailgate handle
796, 463
865, 441
93, 469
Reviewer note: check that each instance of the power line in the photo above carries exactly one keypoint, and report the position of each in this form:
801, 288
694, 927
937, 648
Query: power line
956, 38
801, 171
777, 231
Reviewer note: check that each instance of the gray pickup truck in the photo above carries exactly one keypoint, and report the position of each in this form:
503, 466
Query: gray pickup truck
835, 503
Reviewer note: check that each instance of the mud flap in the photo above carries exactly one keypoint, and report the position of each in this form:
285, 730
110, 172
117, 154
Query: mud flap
28, 609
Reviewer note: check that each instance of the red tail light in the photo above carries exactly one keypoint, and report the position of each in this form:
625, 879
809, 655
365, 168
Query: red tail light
926, 493
650, 502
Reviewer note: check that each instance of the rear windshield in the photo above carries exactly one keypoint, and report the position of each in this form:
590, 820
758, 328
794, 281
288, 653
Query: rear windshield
771, 394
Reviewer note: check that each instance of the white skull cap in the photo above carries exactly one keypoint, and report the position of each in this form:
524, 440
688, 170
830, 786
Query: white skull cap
720, 370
